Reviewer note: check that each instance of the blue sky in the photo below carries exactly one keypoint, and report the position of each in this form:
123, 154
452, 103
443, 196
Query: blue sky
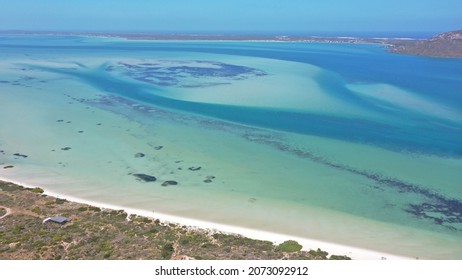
333, 17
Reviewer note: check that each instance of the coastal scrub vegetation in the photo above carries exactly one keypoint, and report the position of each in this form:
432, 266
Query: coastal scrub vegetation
96, 233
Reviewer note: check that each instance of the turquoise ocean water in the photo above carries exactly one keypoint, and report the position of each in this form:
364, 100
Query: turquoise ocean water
341, 142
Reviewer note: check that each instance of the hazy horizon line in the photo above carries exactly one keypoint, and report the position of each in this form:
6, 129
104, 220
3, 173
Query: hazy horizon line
364, 34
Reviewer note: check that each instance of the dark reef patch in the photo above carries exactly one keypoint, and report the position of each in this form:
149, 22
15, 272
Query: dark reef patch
192, 168
20, 155
209, 179
441, 211
145, 177
169, 183
185, 74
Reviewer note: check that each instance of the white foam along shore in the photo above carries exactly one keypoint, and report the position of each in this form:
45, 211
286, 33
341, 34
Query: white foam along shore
332, 248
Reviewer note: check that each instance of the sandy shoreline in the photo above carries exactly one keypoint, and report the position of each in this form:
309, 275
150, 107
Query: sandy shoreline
332, 248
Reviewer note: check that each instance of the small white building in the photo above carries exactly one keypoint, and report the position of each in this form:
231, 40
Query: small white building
57, 219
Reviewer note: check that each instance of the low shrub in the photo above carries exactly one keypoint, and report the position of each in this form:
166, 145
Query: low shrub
94, 209
60, 201
37, 190
290, 246
319, 253
337, 257
167, 251
82, 209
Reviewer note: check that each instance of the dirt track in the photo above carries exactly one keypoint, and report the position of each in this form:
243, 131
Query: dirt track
8, 211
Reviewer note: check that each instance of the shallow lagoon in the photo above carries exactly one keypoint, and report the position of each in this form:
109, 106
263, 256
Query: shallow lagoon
344, 143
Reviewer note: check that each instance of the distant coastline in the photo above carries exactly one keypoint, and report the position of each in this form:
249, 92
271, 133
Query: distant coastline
216, 37
444, 45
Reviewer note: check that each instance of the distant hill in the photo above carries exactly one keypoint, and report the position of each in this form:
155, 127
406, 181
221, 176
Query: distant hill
448, 44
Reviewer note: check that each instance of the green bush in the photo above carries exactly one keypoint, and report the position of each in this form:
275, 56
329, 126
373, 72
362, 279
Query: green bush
38, 244
153, 231
319, 253
290, 246
94, 209
207, 245
57, 237
167, 251
37, 190
337, 257
36, 210
192, 238
60, 201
